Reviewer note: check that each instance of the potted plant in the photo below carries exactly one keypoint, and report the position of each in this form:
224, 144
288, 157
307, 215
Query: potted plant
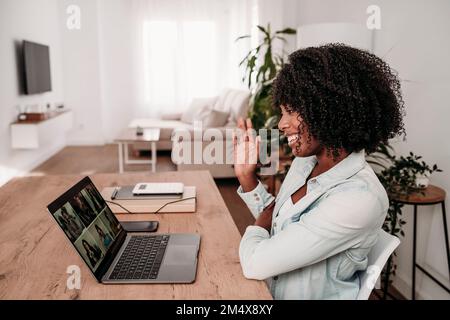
261, 66
403, 175
399, 176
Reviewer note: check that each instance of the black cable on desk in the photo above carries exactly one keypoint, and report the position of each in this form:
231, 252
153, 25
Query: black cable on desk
179, 200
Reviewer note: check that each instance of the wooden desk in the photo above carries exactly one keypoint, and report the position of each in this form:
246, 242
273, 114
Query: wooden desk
34, 252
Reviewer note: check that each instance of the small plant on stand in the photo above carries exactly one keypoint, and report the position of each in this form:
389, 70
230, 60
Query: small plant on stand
400, 176
407, 174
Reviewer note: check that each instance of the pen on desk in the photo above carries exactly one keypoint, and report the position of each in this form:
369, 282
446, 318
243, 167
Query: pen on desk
114, 194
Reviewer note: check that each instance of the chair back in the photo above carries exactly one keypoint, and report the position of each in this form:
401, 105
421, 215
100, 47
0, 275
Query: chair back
378, 256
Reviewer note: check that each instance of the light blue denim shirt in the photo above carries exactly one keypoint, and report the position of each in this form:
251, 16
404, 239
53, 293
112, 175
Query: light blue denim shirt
315, 249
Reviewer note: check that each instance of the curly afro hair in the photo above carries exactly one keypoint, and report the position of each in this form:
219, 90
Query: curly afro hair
348, 98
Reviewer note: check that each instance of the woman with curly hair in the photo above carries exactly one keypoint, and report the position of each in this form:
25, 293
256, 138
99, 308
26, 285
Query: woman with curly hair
336, 103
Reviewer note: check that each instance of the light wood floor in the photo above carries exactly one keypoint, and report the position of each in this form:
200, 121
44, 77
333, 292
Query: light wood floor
103, 159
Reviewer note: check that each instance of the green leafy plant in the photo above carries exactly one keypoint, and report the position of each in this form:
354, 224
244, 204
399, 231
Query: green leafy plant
398, 176
261, 66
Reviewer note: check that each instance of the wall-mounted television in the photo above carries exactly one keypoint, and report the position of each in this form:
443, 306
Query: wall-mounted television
36, 59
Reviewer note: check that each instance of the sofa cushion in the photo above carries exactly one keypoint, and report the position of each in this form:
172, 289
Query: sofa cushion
211, 118
196, 106
236, 102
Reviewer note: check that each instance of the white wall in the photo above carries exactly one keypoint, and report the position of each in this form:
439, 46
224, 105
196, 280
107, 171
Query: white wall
414, 41
280, 14
97, 70
35, 21
119, 93
81, 70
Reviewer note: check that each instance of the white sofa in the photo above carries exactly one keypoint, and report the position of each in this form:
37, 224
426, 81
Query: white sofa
229, 106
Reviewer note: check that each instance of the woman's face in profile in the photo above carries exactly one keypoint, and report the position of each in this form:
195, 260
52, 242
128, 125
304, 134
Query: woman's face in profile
297, 133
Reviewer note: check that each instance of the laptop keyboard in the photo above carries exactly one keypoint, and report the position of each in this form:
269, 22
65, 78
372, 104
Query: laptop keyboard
141, 258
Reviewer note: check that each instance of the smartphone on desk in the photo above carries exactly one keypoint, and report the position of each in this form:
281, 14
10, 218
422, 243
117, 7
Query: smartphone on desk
140, 226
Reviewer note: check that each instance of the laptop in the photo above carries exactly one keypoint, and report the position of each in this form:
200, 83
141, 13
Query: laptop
115, 256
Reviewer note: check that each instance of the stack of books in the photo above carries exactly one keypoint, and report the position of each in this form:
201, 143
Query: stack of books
124, 197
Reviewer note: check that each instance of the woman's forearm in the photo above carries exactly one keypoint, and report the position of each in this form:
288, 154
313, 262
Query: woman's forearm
248, 183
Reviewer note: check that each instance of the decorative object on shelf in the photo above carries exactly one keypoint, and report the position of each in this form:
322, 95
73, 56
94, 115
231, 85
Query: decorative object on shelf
400, 177
33, 116
139, 131
38, 116
22, 117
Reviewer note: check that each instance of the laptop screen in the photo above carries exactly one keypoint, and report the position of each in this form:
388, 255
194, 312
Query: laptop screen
88, 222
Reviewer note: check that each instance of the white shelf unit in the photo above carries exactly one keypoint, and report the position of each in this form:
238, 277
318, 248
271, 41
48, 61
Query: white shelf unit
33, 135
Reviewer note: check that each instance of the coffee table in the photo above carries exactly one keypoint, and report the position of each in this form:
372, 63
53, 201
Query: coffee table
129, 136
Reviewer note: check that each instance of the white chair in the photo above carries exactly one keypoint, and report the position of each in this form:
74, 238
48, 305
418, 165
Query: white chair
378, 256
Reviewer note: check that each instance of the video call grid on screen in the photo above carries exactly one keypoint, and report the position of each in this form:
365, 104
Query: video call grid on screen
89, 224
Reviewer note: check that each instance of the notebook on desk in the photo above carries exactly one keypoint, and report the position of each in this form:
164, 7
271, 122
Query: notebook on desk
149, 204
